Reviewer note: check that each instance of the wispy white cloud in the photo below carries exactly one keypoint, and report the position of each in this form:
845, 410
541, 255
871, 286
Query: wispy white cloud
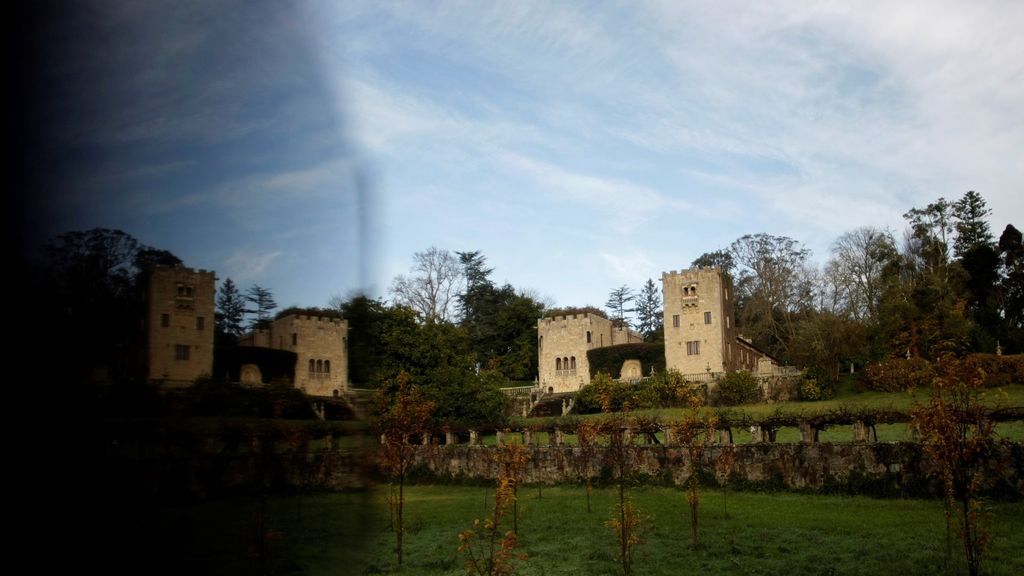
790, 117
245, 265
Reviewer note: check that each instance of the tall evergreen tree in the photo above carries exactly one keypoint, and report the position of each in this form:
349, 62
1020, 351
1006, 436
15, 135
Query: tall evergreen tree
263, 304
230, 309
972, 229
649, 317
1011, 250
618, 303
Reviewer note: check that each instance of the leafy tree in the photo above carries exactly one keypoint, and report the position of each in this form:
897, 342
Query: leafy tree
739, 387
501, 323
695, 432
825, 340
621, 456
721, 259
959, 437
432, 286
1011, 250
263, 304
649, 316
147, 258
773, 288
931, 229
490, 552
586, 439
858, 261
230, 310
618, 303
403, 413
92, 286
368, 319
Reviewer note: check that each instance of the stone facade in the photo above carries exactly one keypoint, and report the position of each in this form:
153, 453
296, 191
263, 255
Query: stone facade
562, 344
321, 347
179, 324
700, 329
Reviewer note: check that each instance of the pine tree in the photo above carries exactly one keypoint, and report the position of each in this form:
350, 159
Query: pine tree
648, 311
230, 309
263, 302
617, 303
972, 230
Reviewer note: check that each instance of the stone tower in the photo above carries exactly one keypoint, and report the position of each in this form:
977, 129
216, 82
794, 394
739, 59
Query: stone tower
179, 324
562, 344
321, 347
700, 331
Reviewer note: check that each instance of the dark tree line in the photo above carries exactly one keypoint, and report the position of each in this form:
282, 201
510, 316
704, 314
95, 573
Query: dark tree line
91, 285
946, 285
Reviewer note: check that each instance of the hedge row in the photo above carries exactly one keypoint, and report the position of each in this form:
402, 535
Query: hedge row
609, 359
727, 417
898, 374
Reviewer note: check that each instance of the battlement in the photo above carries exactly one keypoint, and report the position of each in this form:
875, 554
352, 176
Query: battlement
696, 270
309, 318
552, 319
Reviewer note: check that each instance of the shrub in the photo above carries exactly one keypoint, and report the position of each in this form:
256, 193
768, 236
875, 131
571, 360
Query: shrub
809, 389
998, 370
898, 374
739, 387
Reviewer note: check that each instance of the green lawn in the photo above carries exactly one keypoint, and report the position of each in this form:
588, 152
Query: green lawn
761, 534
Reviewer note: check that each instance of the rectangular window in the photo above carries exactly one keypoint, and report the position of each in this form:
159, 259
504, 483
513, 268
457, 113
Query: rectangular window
675, 320
295, 338
707, 317
693, 348
200, 323
588, 336
180, 352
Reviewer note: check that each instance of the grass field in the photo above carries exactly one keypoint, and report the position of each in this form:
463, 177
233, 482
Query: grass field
758, 534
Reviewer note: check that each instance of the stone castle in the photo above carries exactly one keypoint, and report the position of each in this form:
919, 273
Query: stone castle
562, 344
179, 324
320, 345
179, 329
700, 334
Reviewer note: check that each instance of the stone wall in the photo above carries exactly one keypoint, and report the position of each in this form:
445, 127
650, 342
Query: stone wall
880, 469
875, 468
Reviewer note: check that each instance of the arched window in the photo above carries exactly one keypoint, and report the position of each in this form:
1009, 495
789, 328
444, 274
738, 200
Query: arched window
558, 363
327, 366
312, 365
572, 362
565, 362
319, 366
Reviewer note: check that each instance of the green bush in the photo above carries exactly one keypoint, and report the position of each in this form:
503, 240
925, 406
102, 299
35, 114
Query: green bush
663, 390
739, 387
809, 389
899, 374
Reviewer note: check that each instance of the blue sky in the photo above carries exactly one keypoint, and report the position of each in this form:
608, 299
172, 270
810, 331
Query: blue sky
313, 147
